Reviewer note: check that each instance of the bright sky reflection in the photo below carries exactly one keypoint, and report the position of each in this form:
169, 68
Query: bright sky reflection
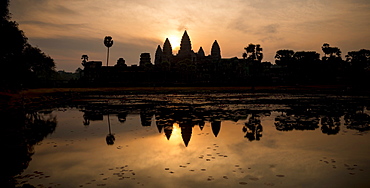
143, 157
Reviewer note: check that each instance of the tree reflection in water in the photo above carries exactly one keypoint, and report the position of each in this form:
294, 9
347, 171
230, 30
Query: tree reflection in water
20, 136
28, 129
110, 137
296, 122
307, 114
330, 125
253, 128
359, 121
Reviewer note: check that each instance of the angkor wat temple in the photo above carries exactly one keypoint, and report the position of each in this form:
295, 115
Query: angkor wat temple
184, 68
189, 68
165, 56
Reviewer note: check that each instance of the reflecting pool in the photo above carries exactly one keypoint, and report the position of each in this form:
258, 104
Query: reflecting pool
198, 140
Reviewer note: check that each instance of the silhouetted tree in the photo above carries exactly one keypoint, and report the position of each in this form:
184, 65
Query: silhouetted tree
359, 58
254, 57
306, 57
254, 52
20, 62
4, 11
108, 42
12, 44
331, 64
284, 57
245, 55
38, 63
359, 66
305, 66
84, 58
331, 52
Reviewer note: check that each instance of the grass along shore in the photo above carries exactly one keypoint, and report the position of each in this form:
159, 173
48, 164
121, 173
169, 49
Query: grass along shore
42, 96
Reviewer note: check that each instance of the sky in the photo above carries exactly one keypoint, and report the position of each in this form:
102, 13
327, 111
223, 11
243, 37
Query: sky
67, 29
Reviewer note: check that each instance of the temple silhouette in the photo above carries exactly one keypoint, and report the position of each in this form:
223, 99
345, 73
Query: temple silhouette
186, 52
187, 67
190, 68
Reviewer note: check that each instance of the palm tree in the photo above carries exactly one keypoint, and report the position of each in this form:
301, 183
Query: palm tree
84, 58
110, 137
108, 42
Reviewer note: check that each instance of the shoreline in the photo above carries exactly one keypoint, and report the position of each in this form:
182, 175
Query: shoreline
311, 88
31, 98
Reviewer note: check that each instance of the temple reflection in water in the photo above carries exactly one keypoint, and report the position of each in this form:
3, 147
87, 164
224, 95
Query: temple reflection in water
186, 121
294, 115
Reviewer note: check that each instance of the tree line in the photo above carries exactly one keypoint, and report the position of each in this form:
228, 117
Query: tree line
307, 67
22, 65
290, 68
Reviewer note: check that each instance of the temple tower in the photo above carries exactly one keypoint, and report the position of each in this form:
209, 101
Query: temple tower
167, 51
144, 59
185, 47
121, 63
158, 55
216, 126
186, 131
168, 131
215, 51
201, 52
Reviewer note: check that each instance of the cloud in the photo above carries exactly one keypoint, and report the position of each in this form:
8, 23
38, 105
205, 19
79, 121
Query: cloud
300, 25
270, 28
35, 23
61, 9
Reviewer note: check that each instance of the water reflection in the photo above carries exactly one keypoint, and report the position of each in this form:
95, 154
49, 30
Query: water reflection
110, 137
359, 121
296, 112
330, 125
185, 119
26, 129
253, 128
296, 122
92, 115
122, 117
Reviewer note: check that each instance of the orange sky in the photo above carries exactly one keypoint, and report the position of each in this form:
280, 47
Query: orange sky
66, 29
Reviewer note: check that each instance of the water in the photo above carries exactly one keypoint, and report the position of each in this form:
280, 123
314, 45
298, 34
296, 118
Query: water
203, 140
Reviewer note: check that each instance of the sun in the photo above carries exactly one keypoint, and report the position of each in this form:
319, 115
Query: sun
175, 42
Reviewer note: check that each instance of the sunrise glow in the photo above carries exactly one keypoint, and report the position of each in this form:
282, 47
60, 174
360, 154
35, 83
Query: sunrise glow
175, 42
66, 30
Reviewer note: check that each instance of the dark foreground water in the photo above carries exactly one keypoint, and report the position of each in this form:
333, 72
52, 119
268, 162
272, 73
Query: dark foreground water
199, 140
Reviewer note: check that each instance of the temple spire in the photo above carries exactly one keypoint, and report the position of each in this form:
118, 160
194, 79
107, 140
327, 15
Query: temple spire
167, 50
168, 131
216, 126
185, 46
215, 51
186, 131
201, 52
158, 55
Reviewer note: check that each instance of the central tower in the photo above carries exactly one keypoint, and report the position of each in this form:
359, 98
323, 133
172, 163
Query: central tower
185, 46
